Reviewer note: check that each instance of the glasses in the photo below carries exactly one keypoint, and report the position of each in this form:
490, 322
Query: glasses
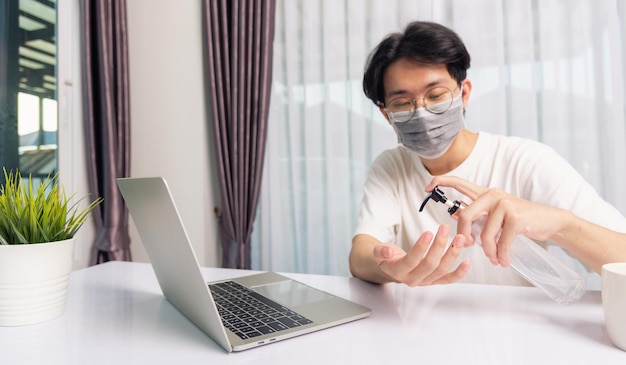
436, 100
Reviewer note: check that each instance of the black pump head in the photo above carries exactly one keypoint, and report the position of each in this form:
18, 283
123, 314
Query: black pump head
438, 196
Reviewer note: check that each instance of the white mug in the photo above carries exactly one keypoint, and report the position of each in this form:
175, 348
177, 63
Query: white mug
614, 302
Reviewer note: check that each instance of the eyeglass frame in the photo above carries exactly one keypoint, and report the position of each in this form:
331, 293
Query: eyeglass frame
414, 102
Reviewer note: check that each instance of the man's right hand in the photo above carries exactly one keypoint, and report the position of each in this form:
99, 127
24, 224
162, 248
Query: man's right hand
428, 262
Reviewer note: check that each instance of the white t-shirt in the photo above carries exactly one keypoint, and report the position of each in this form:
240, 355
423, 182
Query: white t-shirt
395, 186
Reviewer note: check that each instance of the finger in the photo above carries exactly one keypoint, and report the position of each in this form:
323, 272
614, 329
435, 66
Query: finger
491, 226
456, 275
386, 252
402, 263
471, 220
432, 260
447, 260
506, 239
381, 253
416, 253
387, 257
464, 226
479, 217
467, 188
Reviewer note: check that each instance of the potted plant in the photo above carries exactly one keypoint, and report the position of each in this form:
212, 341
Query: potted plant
37, 228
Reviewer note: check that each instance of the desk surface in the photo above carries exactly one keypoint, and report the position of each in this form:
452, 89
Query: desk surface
116, 314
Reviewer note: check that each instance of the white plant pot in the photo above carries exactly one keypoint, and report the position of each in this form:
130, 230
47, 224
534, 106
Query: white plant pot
33, 281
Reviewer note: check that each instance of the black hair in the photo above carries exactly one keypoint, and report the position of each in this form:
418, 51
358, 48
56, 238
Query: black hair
423, 42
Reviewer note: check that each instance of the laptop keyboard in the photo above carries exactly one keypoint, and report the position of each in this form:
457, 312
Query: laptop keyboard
249, 314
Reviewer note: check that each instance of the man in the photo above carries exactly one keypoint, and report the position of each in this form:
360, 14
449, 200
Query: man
418, 80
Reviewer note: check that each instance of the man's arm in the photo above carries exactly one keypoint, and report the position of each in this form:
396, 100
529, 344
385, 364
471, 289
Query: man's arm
592, 244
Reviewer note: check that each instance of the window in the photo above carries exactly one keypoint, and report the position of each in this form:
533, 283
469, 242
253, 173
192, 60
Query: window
28, 101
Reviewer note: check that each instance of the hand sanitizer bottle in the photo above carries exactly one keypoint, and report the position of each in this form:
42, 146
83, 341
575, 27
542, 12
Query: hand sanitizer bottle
529, 260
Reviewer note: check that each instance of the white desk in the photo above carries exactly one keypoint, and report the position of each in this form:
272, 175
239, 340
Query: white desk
116, 314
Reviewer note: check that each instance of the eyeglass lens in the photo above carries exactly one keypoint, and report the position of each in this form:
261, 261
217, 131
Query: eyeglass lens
436, 100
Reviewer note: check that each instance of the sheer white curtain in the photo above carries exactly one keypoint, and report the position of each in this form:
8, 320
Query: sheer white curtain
550, 70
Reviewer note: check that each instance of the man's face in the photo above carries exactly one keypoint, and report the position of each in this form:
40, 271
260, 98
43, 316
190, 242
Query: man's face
407, 79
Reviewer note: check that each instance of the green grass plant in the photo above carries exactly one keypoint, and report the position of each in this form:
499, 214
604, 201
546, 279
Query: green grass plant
38, 215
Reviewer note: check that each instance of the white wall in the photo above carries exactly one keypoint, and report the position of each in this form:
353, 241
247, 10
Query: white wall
169, 123
169, 132
71, 157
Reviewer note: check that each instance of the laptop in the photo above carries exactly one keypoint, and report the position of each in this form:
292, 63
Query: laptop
240, 313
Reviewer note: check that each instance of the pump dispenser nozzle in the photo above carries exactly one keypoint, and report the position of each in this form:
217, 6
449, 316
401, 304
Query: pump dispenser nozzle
438, 196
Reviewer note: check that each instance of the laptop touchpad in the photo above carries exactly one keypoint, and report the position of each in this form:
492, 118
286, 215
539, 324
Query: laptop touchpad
291, 293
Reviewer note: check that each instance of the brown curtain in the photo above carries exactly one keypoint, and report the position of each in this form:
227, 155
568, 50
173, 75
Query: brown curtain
107, 121
239, 36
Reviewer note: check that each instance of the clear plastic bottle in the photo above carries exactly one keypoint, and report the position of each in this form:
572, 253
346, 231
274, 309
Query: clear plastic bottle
540, 268
530, 260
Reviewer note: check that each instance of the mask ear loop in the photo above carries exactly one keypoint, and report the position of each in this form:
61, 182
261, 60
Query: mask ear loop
389, 120
382, 108
461, 95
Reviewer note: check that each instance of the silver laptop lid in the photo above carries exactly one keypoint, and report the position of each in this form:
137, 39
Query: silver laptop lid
159, 224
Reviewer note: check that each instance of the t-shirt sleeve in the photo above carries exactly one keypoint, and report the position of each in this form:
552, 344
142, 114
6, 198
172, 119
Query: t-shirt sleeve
379, 215
551, 180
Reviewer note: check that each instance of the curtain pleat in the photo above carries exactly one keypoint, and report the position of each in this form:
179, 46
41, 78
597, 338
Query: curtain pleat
106, 108
239, 38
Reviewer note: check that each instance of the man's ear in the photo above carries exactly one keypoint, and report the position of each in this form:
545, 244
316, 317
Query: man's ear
466, 87
384, 113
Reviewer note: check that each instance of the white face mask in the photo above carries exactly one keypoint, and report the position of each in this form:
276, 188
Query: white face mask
430, 134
